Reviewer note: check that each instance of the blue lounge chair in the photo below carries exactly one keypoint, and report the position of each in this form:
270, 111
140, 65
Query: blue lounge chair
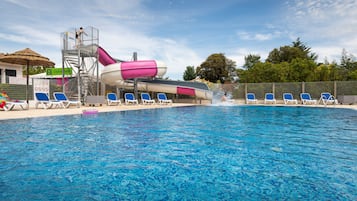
288, 98
250, 98
112, 99
130, 99
162, 99
306, 99
146, 99
43, 100
269, 98
61, 97
328, 98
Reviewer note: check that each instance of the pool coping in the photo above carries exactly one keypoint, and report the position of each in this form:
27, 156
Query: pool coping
32, 112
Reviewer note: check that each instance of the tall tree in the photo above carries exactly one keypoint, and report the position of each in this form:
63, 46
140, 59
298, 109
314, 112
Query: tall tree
231, 69
251, 60
303, 70
285, 54
348, 61
189, 73
296, 63
305, 49
348, 65
328, 72
288, 53
216, 68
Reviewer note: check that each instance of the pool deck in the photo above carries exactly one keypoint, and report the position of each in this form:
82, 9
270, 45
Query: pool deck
32, 112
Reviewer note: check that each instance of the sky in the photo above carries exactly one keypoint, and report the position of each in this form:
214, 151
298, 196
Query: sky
182, 33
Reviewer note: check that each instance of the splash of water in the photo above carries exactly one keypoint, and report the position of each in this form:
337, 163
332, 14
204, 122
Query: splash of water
221, 98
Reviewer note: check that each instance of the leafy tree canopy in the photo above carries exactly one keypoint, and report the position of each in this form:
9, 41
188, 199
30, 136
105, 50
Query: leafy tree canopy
189, 73
288, 53
251, 60
216, 68
33, 70
289, 63
348, 61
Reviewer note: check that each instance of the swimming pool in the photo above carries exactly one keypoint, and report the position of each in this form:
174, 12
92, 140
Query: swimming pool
188, 153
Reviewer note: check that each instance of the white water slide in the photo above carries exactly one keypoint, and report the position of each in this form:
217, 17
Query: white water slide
147, 73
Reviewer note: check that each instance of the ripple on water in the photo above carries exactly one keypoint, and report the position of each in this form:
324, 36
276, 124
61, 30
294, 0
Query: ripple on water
188, 153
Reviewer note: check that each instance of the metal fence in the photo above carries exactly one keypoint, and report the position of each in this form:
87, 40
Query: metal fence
238, 91
337, 88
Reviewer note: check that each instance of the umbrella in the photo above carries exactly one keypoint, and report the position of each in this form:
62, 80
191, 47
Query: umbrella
29, 58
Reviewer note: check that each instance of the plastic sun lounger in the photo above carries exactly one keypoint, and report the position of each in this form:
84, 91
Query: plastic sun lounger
112, 99
7, 104
250, 98
146, 99
61, 97
328, 98
162, 99
288, 98
130, 99
306, 99
269, 98
11, 105
43, 100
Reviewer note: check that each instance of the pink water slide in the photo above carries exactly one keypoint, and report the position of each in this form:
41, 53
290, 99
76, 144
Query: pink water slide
115, 73
130, 69
104, 57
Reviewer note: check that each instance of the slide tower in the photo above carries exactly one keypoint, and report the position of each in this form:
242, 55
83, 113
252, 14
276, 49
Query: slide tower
83, 61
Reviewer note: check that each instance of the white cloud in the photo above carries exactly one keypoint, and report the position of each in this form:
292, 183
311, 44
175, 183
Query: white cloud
123, 29
14, 38
243, 35
20, 3
129, 26
122, 42
33, 35
327, 25
262, 37
331, 53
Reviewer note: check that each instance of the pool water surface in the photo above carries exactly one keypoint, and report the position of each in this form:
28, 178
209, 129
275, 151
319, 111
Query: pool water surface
187, 153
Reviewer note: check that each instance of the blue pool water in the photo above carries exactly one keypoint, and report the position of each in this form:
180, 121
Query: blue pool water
189, 153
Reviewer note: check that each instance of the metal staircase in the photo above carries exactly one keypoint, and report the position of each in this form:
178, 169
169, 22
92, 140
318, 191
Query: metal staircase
83, 60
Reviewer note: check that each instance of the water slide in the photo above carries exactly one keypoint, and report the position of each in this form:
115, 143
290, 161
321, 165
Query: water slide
147, 73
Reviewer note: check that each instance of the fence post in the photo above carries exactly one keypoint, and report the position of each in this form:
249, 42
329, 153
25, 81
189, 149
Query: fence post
334, 88
302, 87
245, 89
273, 88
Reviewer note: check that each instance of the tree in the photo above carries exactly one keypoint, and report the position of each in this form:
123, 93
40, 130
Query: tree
297, 70
352, 75
265, 72
348, 61
305, 49
303, 70
285, 54
348, 66
189, 73
33, 70
216, 68
231, 69
288, 53
328, 72
296, 63
251, 60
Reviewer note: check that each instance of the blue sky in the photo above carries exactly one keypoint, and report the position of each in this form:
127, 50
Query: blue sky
183, 32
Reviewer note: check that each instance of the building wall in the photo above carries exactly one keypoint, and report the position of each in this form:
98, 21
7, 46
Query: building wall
18, 79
